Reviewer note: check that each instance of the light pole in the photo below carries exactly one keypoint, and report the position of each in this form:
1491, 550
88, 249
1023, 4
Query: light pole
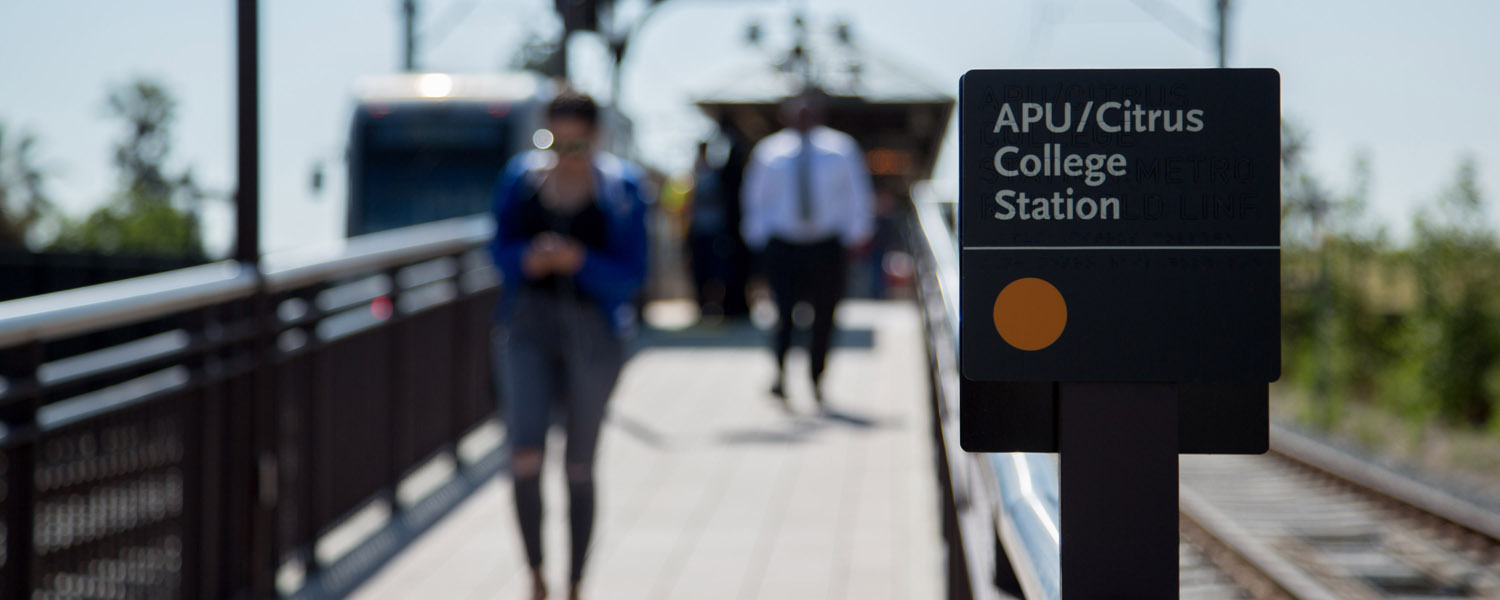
619, 42
247, 95
409, 47
1223, 9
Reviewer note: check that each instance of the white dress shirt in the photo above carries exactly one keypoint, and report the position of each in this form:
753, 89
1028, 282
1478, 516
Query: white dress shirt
841, 197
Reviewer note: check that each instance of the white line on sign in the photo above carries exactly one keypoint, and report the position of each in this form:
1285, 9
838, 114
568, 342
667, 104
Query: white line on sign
1122, 248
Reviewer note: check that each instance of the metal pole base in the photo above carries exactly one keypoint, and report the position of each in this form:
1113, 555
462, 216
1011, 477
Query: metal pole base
1119, 490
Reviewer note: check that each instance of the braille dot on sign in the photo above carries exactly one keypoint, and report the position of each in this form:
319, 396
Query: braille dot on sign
1030, 314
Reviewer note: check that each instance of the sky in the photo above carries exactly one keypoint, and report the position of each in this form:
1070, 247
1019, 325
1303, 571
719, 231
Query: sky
1410, 85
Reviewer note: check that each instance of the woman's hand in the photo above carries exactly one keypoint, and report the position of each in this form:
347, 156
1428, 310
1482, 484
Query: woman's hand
551, 253
567, 258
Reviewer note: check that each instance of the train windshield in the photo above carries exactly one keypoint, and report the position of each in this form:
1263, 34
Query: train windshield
416, 162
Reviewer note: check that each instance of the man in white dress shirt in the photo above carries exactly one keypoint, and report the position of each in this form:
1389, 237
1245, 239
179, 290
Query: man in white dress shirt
807, 204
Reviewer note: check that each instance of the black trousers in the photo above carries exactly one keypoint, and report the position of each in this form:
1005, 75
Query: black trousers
812, 273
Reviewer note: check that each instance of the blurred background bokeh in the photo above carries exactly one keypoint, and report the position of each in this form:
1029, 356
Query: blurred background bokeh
116, 137
118, 149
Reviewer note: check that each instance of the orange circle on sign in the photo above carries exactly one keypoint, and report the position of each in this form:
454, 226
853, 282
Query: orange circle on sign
1030, 314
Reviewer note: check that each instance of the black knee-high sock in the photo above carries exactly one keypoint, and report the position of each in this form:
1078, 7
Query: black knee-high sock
581, 519
529, 514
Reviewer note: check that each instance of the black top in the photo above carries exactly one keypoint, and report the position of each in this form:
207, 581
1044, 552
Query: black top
587, 225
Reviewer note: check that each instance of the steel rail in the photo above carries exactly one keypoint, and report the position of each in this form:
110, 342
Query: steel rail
1262, 569
1387, 485
1252, 564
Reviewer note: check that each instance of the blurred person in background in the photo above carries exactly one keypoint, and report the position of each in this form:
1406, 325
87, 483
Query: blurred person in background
807, 204
570, 242
731, 180
709, 243
886, 238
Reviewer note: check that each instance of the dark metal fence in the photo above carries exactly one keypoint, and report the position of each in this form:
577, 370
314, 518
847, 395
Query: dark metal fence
191, 462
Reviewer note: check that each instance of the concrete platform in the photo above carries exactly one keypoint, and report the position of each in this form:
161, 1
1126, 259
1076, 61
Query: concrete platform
709, 489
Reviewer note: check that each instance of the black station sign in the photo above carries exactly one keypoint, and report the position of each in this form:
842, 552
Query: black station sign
1120, 225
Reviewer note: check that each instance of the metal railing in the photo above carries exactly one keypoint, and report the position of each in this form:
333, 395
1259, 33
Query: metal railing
262, 410
266, 407
1001, 510
24, 273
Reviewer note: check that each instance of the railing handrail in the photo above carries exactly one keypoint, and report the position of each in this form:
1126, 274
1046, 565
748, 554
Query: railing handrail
1029, 528
945, 255
373, 251
1023, 485
59, 314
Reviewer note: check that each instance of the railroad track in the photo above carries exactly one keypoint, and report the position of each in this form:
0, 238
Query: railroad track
1200, 578
1307, 522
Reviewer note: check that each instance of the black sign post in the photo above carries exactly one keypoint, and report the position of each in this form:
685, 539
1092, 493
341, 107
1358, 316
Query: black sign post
1120, 266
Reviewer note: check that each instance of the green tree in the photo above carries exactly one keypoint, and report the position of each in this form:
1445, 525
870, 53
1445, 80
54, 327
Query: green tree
540, 53
1303, 200
1356, 271
24, 202
1306, 303
154, 212
1456, 335
1337, 337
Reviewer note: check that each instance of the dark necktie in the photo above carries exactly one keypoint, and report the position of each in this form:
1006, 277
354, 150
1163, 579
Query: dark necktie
804, 177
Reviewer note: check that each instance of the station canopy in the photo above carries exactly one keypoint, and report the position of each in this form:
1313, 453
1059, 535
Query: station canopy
897, 116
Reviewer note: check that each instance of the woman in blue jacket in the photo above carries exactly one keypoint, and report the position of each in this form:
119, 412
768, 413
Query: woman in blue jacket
570, 242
